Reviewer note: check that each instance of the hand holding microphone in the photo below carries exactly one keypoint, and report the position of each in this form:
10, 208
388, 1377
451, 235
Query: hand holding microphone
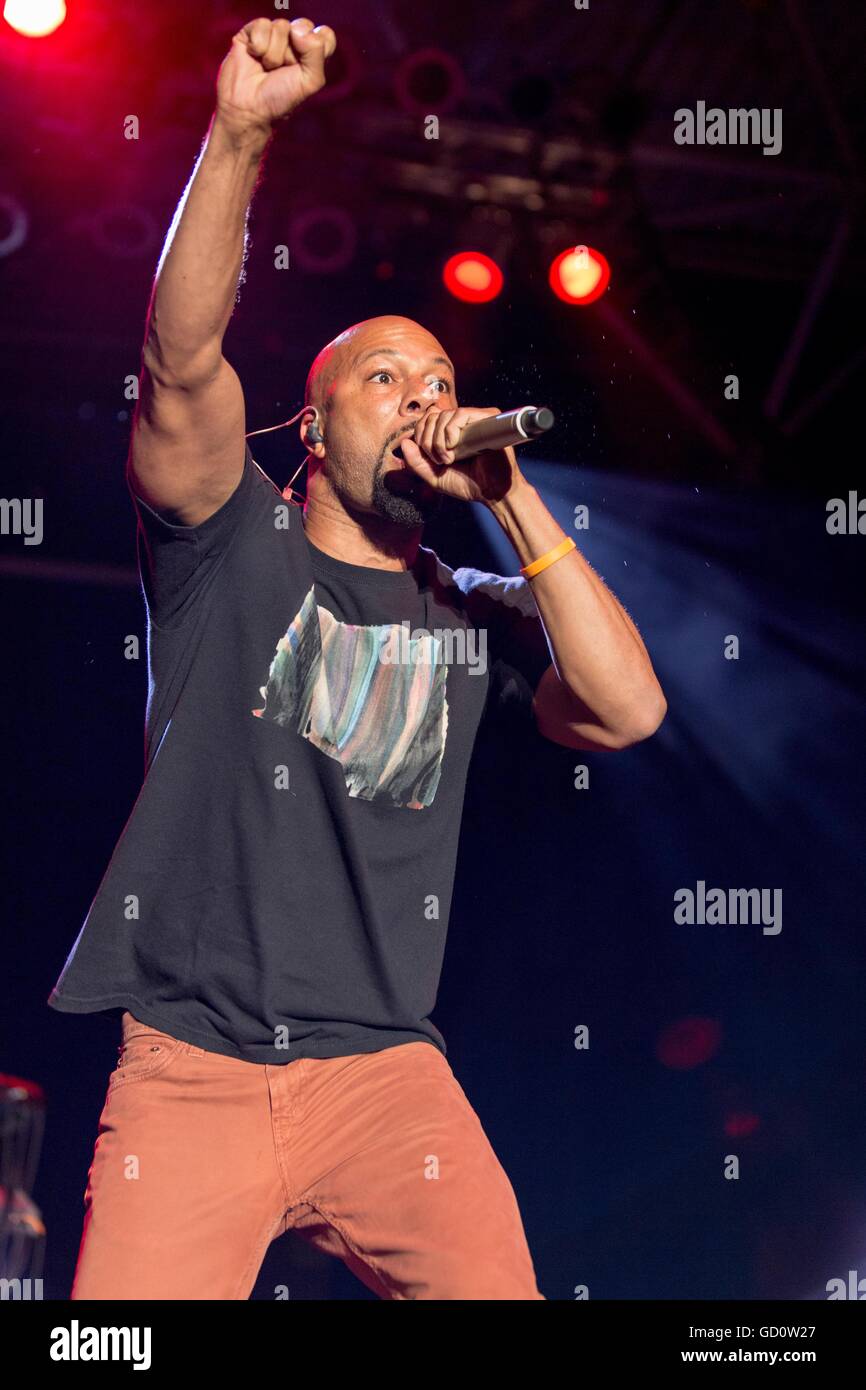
485, 438
448, 436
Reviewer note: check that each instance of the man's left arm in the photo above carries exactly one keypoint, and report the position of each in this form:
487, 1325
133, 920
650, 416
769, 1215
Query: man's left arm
601, 691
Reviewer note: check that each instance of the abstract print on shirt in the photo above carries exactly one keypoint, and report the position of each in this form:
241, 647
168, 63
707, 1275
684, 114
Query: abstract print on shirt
384, 721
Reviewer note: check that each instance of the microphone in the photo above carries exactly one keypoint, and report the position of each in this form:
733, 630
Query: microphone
498, 431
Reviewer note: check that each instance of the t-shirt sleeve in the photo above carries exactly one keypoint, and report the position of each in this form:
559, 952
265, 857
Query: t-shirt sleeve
175, 562
518, 652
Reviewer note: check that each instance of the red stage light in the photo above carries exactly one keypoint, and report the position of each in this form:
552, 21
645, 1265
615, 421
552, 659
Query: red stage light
740, 1124
579, 275
689, 1042
473, 277
34, 18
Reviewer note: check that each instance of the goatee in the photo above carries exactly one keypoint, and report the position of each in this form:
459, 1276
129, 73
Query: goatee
410, 503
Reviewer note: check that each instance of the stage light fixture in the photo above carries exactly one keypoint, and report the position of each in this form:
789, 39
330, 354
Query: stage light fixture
472, 277
579, 275
34, 18
429, 80
323, 240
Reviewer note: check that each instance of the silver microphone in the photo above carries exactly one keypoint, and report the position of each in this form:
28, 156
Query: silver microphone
498, 431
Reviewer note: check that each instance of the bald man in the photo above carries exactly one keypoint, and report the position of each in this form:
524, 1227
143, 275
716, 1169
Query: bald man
272, 922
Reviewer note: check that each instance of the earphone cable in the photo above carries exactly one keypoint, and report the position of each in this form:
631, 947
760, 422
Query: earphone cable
296, 497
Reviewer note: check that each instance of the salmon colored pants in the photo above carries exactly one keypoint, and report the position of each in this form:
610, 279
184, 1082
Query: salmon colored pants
202, 1160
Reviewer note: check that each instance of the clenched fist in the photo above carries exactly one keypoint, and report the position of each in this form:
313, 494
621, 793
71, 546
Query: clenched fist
272, 66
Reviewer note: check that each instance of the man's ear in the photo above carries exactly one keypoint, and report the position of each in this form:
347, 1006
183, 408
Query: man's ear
311, 435
314, 434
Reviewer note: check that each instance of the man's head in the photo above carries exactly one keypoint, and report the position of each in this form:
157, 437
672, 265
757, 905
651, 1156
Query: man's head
368, 388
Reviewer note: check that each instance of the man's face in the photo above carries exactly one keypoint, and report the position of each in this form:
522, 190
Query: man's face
389, 375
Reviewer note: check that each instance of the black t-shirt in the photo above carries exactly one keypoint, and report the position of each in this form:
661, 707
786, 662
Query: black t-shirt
282, 886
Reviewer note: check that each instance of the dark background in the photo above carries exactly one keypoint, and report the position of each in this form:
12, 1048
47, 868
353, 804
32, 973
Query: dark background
707, 518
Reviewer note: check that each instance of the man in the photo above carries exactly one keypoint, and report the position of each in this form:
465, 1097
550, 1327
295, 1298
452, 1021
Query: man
272, 921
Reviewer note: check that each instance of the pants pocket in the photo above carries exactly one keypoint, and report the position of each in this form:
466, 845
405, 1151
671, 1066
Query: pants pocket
145, 1051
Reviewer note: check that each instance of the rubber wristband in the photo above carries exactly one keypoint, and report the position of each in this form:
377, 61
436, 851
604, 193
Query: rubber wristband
536, 566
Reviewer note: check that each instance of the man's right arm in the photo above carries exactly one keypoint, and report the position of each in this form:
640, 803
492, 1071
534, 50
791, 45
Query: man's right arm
187, 448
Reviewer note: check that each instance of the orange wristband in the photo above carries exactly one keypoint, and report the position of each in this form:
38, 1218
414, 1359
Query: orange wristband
536, 566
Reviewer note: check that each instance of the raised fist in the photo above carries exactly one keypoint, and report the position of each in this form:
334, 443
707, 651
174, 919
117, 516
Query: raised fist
272, 66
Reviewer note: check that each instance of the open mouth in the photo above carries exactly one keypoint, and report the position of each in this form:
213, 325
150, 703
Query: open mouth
403, 477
